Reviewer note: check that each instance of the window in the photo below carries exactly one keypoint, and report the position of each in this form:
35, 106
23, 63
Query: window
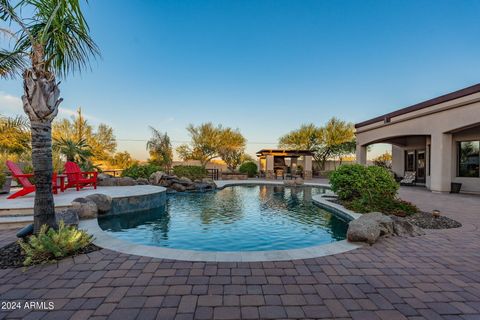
410, 161
469, 159
429, 159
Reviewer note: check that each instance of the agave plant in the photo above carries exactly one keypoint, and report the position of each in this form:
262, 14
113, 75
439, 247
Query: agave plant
50, 39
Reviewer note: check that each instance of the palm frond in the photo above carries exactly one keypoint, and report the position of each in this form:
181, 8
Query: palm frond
12, 63
60, 27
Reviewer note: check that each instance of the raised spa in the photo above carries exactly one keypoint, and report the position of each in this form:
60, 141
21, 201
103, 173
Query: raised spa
237, 218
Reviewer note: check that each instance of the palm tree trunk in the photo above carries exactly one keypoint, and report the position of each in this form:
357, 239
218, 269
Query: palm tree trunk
44, 209
40, 103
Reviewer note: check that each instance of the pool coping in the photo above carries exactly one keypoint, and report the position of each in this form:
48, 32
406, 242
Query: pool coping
107, 241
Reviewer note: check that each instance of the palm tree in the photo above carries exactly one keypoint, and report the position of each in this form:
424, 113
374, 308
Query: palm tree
52, 41
160, 148
76, 151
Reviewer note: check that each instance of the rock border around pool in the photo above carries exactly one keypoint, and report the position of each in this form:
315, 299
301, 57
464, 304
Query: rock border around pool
107, 241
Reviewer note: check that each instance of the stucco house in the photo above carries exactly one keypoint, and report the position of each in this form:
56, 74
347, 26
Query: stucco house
438, 139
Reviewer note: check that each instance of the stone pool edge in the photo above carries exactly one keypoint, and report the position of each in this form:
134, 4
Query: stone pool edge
107, 241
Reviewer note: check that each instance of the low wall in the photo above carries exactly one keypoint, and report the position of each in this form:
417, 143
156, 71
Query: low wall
137, 203
233, 176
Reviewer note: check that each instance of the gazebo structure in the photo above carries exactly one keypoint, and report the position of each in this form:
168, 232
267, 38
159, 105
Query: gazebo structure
274, 163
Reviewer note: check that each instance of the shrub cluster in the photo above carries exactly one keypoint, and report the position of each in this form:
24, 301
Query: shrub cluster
51, 244
136, 171
367, 189
250, 168
191, 172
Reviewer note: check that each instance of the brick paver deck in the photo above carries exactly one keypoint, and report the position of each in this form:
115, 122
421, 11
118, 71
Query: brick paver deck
436, 276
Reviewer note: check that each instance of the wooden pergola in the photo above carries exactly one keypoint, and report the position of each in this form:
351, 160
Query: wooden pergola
272, 164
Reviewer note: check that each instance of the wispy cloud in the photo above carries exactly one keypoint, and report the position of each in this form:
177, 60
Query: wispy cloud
10, 104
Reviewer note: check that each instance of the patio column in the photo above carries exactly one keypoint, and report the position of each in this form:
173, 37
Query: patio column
293, 165
269, 173
441, 162
361, 154
307, 168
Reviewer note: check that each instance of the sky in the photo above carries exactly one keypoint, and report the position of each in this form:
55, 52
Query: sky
264, 67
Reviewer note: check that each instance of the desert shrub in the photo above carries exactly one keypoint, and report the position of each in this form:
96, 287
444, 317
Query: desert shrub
51, 244
136, 170
366, 189
249, 167
191, 172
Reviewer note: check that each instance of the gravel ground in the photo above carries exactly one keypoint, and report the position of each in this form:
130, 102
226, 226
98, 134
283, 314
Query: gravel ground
11, 255
426, 220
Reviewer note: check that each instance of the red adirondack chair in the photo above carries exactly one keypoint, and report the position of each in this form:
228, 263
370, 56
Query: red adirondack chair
22, 178
78, 179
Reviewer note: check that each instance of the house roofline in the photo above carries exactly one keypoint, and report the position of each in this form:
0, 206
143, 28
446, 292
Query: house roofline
422, 105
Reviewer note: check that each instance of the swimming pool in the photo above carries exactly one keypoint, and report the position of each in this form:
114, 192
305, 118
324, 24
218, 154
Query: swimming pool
236, 218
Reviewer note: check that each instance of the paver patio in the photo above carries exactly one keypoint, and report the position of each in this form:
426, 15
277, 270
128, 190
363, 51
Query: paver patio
436, 276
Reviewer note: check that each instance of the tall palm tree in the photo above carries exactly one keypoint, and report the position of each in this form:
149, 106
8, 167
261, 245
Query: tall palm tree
51, 39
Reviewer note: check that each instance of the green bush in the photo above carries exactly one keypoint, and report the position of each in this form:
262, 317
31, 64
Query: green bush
366, 189
191, 172
136, 170
51, 244
250, 168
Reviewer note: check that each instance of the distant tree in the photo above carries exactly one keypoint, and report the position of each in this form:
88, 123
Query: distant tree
101, 140
307, 137
160, 148
14, 135
122, 160
209, 142
204, 144
383, 160
231, 148
336, 138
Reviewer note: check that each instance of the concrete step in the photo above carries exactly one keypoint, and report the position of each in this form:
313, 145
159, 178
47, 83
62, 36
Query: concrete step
13, 222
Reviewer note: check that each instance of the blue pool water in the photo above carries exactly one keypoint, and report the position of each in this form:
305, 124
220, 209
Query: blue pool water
239, 218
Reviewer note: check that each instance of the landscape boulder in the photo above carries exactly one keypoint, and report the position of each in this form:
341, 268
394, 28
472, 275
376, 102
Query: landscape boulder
86, 208
69, 217
103, 202
107, 182
156, 177
369, 227
126, 181
142, 181
178, 187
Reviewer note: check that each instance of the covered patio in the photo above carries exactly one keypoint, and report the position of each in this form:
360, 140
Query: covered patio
283, 163
436, 140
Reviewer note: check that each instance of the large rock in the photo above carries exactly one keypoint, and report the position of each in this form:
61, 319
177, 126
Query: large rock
166, 183
107, 182
178, 187
185, 181
86, 208
142, 181
103, 176
69, 216
126, 181
404, 228
369, 227
156, 177
103, 202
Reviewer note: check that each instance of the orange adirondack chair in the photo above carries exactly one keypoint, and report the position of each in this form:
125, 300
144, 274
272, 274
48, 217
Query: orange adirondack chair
22, 178
77, 178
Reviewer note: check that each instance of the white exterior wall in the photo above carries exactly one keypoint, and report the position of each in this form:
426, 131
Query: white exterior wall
436, 124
